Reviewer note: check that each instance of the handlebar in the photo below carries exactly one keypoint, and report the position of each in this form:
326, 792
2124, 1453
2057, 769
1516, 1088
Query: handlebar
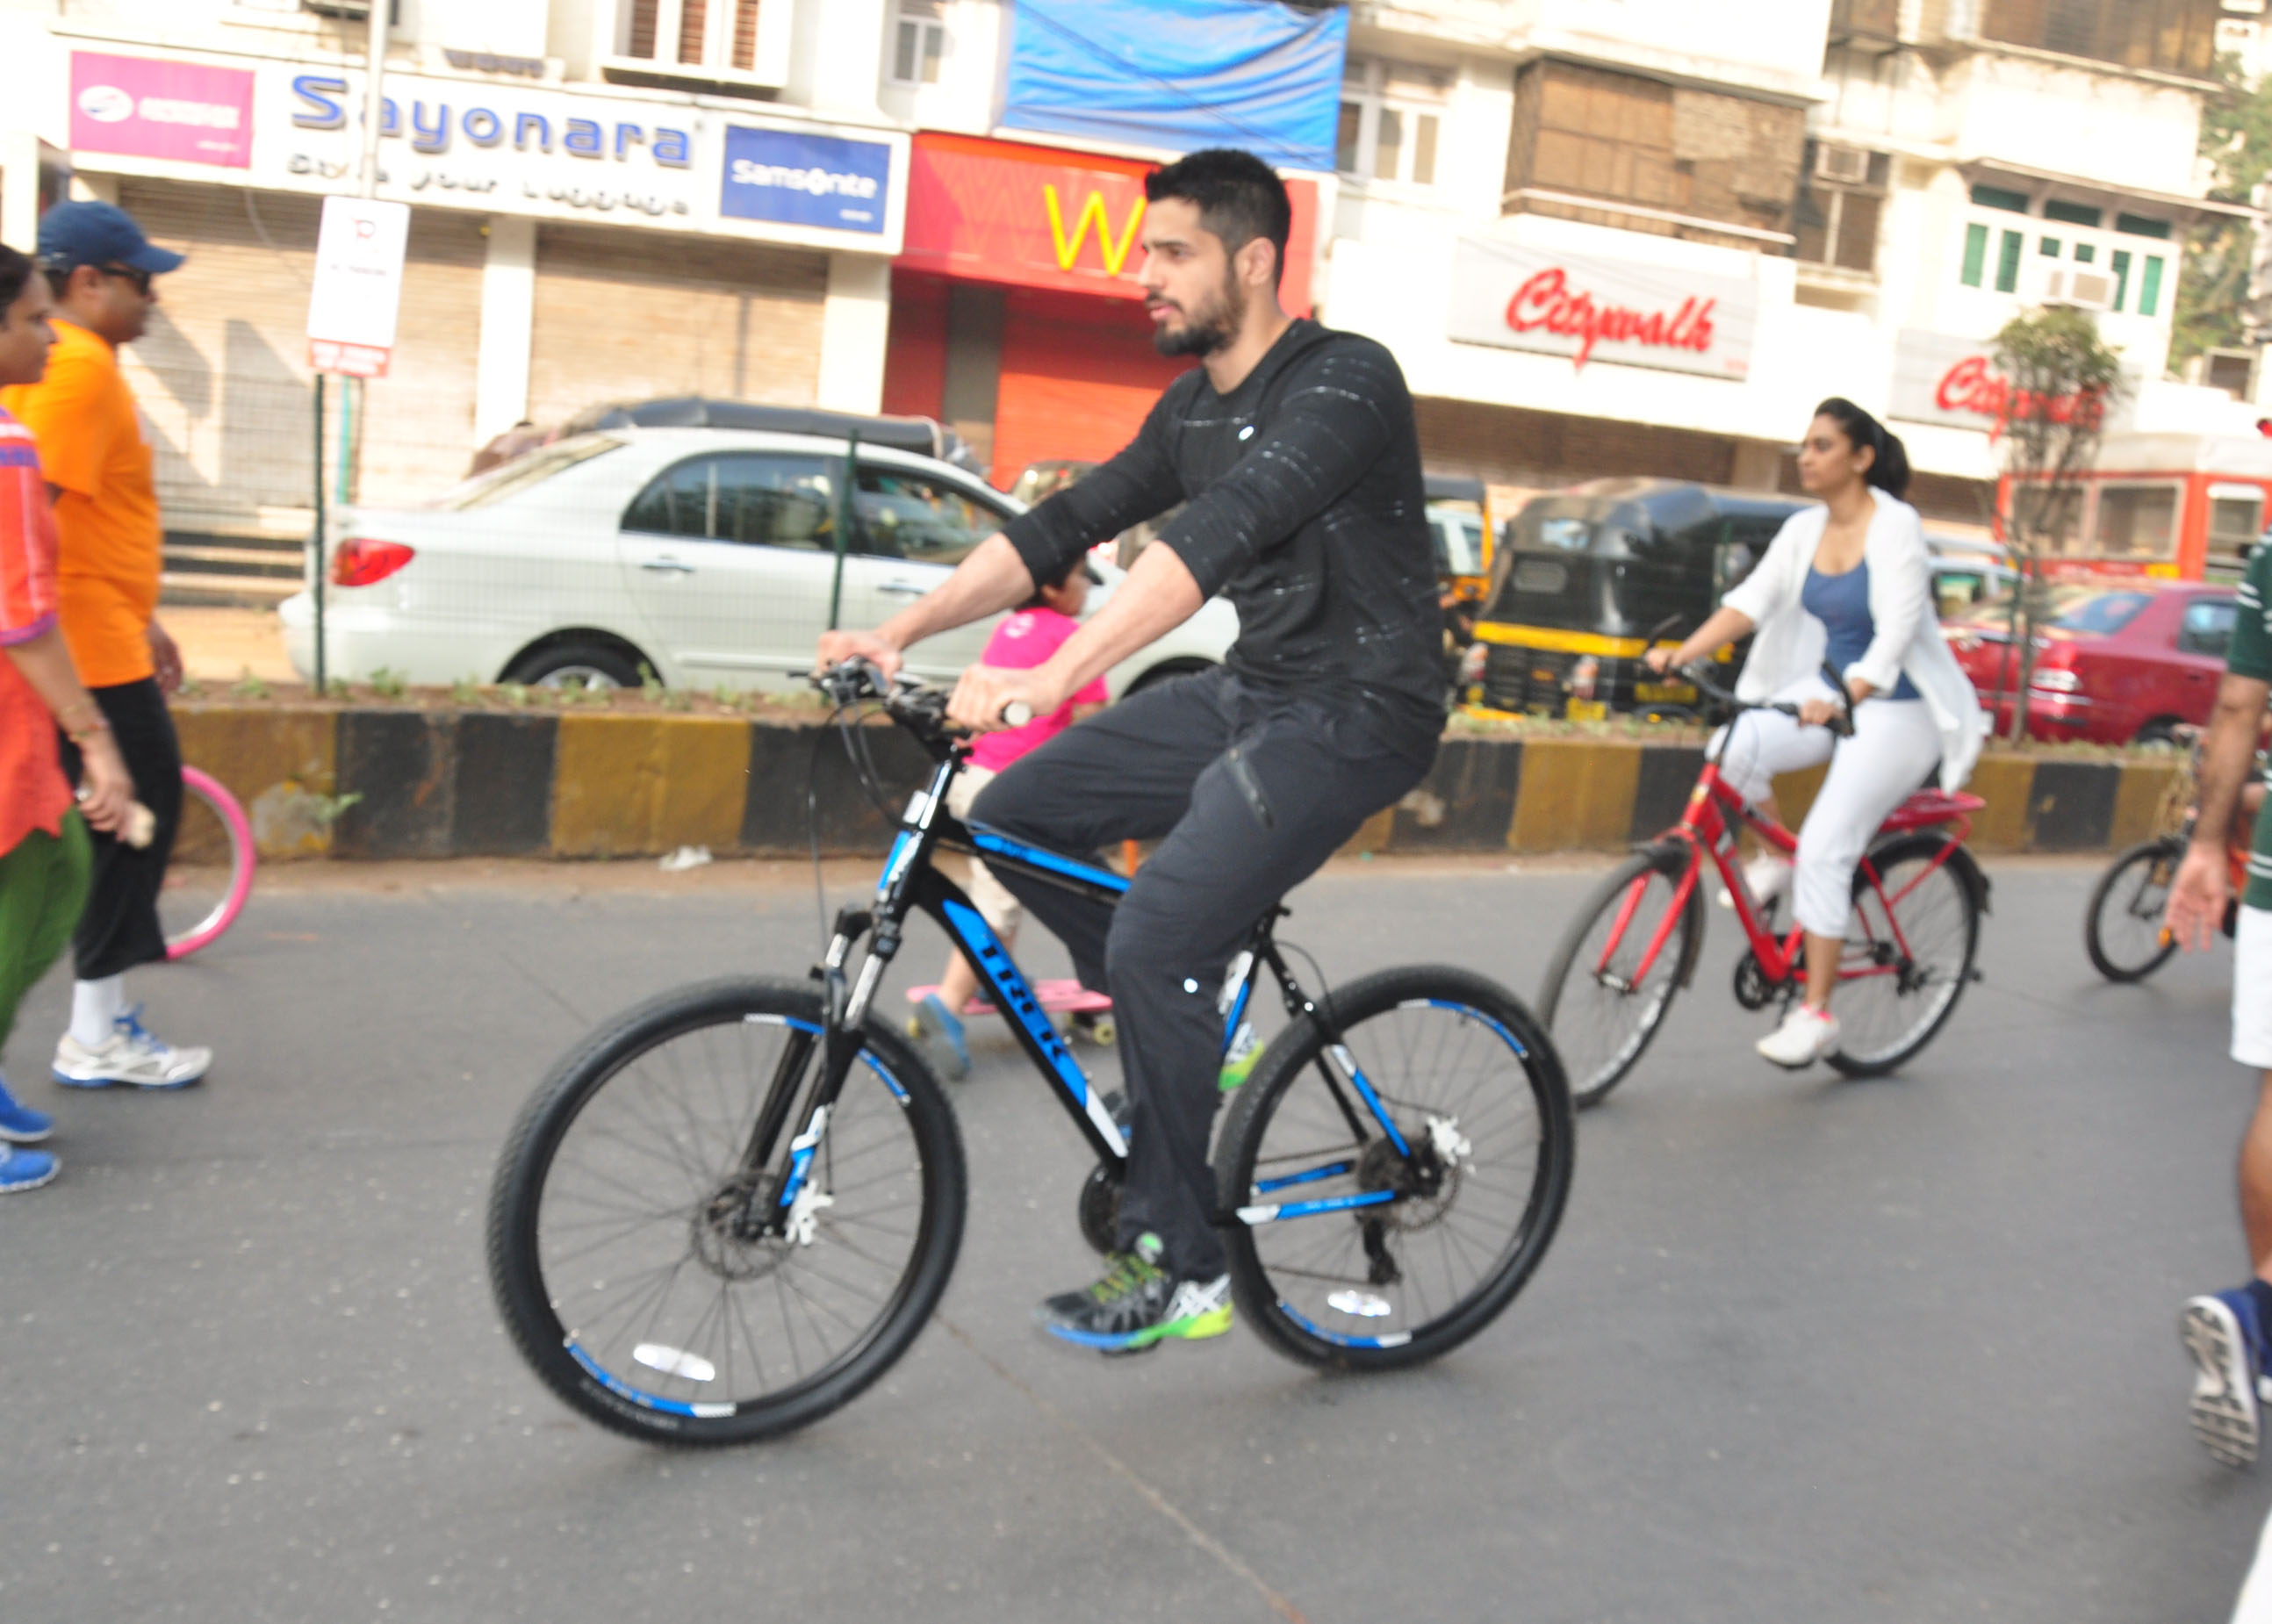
1842, 724
922, 709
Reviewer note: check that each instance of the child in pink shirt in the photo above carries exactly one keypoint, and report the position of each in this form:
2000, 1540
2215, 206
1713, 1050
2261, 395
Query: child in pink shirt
1024, 640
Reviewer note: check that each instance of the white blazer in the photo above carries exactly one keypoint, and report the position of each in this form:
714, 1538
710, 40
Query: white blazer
1790, 642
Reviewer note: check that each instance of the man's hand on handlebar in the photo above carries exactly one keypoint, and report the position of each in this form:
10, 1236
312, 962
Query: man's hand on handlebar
986, 691
878, 650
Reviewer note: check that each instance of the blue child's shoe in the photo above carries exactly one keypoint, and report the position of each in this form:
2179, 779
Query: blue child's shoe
939, 1031
19, 1124
24, 1170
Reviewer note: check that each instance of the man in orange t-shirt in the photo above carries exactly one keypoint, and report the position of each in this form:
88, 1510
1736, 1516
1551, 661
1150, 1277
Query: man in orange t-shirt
98, 463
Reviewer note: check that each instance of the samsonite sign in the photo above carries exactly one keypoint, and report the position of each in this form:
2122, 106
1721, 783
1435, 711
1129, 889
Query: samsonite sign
805, 180
1597, 310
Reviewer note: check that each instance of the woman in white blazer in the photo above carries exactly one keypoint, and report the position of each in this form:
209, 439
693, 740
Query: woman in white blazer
1848, 582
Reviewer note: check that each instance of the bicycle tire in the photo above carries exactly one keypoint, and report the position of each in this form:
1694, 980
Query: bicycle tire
1387, 1009
660, 1401
244, 859
1595, 1065
1923, 913
2144, 856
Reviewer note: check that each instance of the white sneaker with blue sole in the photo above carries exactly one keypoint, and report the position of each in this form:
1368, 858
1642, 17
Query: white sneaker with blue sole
135, 1057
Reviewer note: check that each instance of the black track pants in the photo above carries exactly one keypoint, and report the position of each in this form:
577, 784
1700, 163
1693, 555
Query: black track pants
1249, 791
120, 928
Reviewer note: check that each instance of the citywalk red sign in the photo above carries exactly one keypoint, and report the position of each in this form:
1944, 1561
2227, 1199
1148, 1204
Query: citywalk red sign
1039, 217
1941, 378
1589, 308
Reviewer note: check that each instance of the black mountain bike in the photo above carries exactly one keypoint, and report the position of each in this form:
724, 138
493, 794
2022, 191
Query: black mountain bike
732, 1208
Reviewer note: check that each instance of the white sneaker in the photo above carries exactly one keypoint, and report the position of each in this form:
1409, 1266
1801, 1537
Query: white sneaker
1803, 1038
1766, 877
134, 1056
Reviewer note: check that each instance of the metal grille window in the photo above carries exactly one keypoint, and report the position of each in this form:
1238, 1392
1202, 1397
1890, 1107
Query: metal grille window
1840, 200
918, 41
2172, 36
1391, 119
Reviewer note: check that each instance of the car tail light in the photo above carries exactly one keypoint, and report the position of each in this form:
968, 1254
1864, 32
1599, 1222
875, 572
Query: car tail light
360, 562
1583, 676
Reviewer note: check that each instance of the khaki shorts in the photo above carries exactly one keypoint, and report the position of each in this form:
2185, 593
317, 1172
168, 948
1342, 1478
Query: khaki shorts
988, 895
2252, 988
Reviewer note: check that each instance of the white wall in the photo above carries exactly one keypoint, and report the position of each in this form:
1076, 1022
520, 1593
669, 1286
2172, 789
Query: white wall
967, 98
2117, 131
1766, 44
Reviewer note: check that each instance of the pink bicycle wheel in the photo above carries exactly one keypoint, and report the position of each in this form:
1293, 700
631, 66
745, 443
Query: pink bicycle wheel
214, 910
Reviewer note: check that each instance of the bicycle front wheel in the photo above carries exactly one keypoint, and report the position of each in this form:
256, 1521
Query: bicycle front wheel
619, 1245
210, 872
2122, 927
1604, 996
1907, 952
1346, 1250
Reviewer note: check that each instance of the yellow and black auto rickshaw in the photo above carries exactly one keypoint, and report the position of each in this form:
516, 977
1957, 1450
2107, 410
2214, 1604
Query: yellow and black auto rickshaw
1585, 577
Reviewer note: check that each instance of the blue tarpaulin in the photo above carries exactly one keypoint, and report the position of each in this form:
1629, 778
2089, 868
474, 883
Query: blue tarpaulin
1181, 74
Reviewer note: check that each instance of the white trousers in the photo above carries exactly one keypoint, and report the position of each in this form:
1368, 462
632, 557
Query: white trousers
1895, 745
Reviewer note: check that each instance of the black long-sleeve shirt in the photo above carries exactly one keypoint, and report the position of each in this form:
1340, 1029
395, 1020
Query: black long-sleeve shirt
1305, 508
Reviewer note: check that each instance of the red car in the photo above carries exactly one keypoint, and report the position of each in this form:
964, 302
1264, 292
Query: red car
2121, 661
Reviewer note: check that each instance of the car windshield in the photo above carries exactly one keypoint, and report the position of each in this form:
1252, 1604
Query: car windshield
2097, 611
530, 469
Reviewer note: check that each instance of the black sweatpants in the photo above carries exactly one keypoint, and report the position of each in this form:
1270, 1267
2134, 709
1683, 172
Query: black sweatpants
119, 929
1250, 790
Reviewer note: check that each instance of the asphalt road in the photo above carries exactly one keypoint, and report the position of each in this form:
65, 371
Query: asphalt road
1805, 1350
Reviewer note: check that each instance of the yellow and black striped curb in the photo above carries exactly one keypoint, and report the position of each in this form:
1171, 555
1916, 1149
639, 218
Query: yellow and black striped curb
408, 782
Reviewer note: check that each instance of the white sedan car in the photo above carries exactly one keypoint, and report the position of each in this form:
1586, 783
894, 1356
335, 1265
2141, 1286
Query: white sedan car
707, 557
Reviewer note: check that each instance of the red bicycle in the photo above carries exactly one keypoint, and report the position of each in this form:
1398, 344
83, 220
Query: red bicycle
1918, 896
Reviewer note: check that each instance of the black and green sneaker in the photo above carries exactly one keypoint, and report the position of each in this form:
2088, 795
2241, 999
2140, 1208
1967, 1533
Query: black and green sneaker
1136, 1304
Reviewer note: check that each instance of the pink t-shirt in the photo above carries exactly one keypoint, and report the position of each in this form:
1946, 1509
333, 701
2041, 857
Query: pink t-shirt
1026, 639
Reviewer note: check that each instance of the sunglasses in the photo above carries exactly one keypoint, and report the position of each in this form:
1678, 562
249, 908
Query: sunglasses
127, 273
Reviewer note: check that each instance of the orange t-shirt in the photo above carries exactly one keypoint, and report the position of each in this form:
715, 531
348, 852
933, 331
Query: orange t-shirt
33, 793
93, 449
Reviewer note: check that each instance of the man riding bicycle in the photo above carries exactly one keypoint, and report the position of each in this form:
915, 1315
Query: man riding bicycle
1296, 451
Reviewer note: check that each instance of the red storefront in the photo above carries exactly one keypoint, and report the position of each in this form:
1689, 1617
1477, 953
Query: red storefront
1015, 313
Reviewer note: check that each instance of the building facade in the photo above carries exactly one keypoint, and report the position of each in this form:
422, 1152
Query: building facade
1601, 236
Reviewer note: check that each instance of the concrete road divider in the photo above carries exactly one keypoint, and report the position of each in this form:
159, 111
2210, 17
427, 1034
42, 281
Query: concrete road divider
409, 781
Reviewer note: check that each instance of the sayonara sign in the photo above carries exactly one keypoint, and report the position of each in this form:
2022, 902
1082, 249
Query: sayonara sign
1591, 309
181, 112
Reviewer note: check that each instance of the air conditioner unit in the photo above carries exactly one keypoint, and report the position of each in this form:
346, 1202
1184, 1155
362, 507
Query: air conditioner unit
2079, 287
353, 10
2253, 8
1848, 165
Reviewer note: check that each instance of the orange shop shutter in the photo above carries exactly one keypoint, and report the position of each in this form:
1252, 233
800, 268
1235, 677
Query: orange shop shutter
1078, 373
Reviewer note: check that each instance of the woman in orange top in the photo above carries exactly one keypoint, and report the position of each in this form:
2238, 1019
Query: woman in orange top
43, 843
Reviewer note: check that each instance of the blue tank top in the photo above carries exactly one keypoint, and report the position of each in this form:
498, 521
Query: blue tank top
1841, 603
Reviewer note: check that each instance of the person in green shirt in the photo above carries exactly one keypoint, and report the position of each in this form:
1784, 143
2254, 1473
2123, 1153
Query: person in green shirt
2230, 1333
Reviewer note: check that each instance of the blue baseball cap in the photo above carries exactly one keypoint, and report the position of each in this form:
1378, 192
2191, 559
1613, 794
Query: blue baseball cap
99, 234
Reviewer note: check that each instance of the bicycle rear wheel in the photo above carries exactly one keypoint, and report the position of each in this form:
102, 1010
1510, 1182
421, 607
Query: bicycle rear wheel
1601, 1008
1900, 976
2122, 927
210, 872
1348, 1253
616, 1248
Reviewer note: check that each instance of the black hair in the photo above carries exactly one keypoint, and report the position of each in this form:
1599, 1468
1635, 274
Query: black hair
1239, 198
16, 270
1890, 472
1043, 583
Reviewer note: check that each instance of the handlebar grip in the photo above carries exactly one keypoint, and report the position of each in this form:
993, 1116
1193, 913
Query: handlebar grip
1017, 714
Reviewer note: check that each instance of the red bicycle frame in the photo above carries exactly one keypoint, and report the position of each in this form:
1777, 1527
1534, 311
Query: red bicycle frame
1705, 830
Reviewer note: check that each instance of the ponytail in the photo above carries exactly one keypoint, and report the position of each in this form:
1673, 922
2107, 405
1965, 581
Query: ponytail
1889, 471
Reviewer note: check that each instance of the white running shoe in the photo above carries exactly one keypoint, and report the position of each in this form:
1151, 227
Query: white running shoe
1804, 1037
1766, 877
134, 1056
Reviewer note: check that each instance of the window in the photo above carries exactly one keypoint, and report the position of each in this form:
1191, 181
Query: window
752, 500
2007, 261
2207, 628
2121, 266
718, 36
2236, 514
1975, 254
2049, 248
2171, 36
2086, 253
1390, 120
1836, 221
2073, 213
2137, 225
2135, 521
1997, 198
2149, 284
904, 514
918, 41
2095, 609
1705, 158
529, 470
